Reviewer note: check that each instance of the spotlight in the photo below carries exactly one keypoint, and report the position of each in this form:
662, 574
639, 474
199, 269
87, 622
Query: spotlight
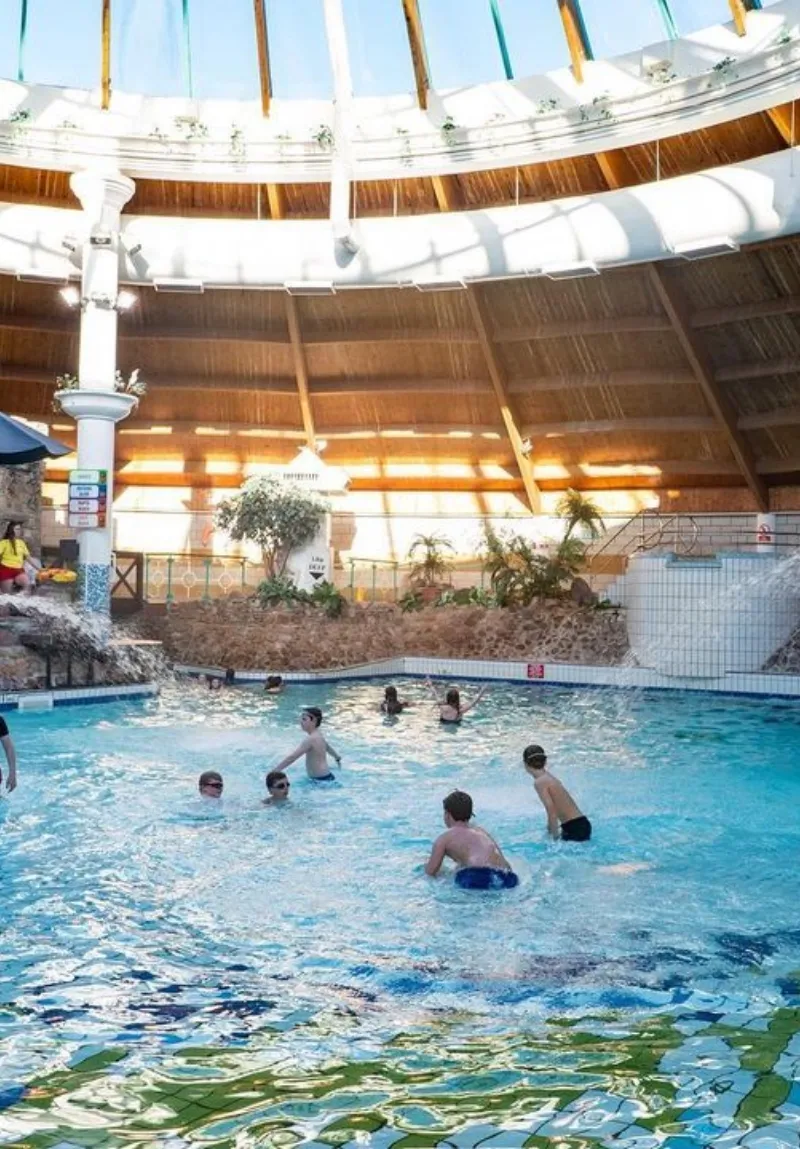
126, 300
71, 295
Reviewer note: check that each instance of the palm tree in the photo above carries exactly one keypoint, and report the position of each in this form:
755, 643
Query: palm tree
576, 510
431, 568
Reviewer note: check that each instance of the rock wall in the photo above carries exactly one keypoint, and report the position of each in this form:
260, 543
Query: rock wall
20, 499
242, 634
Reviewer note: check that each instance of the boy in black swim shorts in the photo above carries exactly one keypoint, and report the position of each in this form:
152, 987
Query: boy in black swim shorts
564, 819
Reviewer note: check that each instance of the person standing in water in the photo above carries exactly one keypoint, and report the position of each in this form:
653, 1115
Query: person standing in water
564, 819
481, 863
451, 708
391, 703
315, 748
11, 756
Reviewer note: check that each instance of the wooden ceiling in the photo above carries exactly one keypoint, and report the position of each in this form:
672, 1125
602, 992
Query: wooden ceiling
681, 374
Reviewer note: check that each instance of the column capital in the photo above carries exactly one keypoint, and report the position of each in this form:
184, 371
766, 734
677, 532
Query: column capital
101, 191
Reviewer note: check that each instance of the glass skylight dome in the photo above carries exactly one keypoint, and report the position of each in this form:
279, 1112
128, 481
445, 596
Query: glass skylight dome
208, 49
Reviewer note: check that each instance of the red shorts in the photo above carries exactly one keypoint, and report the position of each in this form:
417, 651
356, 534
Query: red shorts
8, 574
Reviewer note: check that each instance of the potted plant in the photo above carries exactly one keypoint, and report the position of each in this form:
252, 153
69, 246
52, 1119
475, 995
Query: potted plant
429, 565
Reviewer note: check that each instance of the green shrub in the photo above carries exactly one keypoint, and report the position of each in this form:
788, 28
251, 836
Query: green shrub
410, 601
279, 590
329, 599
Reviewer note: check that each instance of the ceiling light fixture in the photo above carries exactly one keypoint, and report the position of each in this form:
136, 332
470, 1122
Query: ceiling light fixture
705, 248
180, 286
576, 269
42, 277
309, 287
439, 283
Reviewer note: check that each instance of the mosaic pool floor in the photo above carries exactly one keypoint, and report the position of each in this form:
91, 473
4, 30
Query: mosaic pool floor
704, 1074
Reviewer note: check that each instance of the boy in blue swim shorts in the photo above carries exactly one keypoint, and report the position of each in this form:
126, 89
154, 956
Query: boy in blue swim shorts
480, 861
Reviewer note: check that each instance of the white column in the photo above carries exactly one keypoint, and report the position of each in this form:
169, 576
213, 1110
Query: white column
341, 164
96, 406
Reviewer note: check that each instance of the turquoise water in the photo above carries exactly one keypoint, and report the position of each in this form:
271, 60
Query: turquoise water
137, 918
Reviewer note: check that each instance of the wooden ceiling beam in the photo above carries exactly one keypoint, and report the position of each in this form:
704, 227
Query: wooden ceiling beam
389, 386
765, 369
446, 192
160, 429
105, 55
278, 336
578, 328
739, 312
300, 369
739, 10
780, 417
784, 117
419, 55
647, 377
655, 424
262, 44
574, 31
480, 317
276, 200
675, 307
617, 169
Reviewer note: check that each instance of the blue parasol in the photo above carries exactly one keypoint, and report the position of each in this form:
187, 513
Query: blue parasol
21, 444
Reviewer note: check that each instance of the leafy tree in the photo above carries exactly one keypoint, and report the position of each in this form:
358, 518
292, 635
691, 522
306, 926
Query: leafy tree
276, 515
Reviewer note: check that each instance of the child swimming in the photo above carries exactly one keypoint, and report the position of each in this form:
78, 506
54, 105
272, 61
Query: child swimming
315, 748
451, 708
482, 864
391, 703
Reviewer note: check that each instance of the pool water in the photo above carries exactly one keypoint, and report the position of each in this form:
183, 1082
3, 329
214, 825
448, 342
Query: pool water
181, 972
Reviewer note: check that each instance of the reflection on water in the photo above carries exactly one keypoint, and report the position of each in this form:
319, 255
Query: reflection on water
242, 976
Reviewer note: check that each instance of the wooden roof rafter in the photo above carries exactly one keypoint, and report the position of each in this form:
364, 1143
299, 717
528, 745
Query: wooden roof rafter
480, 317
262, 46
105, 55
672, 300
301, 369
419, 55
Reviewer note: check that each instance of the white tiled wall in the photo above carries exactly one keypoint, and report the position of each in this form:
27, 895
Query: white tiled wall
567, 674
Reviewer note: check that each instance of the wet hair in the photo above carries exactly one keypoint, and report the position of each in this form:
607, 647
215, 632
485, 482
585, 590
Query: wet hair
273, 680
9, 533
208, 776
313, 712
391, 703
453, 698
273, 777
458, 805
534, 757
